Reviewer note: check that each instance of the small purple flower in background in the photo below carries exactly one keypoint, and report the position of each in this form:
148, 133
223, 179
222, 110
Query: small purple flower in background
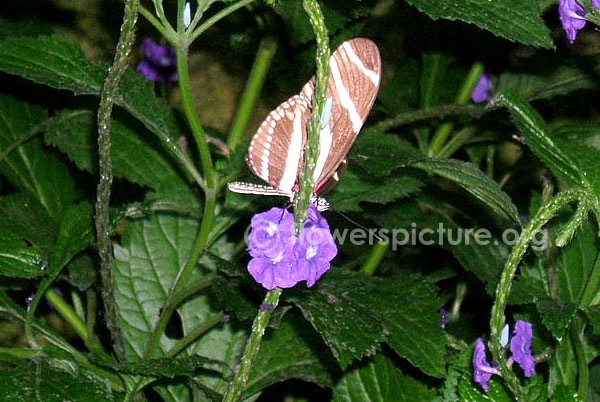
572, 17
520, 347
282, 259
158, 62
314, 249
482, 370
483, 88
445, 320
29, 300
596, 3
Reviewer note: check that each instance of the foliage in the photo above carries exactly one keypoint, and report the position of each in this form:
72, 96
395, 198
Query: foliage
488, 211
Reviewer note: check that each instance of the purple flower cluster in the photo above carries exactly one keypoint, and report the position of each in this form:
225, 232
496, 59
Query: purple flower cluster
158, 62
572, 16
483, 88
520, 347
282, 259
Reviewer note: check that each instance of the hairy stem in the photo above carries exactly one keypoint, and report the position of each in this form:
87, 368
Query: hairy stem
313, 128
252, 347
498, 319
107, 99
437, 112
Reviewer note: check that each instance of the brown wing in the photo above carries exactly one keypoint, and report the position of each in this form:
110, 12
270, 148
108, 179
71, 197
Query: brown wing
355, 74
276, 149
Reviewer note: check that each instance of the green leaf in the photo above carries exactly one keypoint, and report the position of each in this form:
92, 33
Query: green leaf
563, 365
593, 314
380, 380
515, 20
53, 61
547, 82
566, 394
352, 190
475, 182
17, 258
60, 63
76, 233
164, 368
484, 258
135, 156
293, 350
470, 391
537, 137
433, 70
150, 255
42, 382
379, 154
22, 215
30, 167
575, 263
556, 316
400, 92
354, 313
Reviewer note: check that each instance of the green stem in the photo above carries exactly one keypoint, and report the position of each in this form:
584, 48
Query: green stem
20, 353
261, 65
181, 51
313, 128
165, 30
67, 312
217, 17
377, 252
195, 334
464, 93
437, 112
577, 338
107, 99
497, 320
454, 144
252, 347
90, 317
183, 275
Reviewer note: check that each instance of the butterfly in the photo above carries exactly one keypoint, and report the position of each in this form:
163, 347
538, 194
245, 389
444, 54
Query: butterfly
275, 153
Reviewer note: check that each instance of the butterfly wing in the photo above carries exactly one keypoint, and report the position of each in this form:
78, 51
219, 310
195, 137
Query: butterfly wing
276, 149
355, 74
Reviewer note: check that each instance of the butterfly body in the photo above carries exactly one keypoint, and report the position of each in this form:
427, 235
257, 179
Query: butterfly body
276, 151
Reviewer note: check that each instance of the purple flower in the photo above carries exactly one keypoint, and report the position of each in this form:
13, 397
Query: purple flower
271, 232
29, 300
520, 347
315, 248
482, 370
596, 3
572, 17
158, 62
271, 243
282, 259
483, 88
445, 320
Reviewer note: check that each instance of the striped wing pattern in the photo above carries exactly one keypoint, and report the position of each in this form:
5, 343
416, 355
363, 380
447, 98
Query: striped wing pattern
354, 77
278, 145
275, 153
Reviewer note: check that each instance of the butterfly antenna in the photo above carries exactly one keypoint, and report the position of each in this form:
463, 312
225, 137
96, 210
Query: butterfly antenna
361, 226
